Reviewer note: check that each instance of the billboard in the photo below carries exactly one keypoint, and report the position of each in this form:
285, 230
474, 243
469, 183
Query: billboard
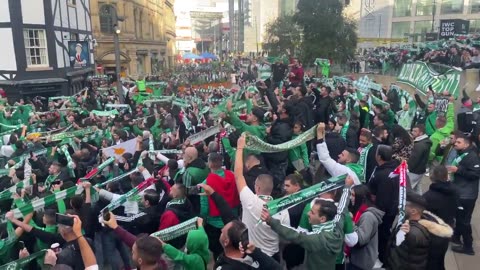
450, 28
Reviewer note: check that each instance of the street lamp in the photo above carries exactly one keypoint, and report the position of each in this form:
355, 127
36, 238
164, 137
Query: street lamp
111, 11
116, 41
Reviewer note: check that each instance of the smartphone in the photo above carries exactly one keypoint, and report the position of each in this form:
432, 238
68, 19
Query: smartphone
56, 182
193, 190
64, 220
106, 214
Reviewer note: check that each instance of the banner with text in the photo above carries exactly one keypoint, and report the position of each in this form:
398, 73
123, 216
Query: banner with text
420, 76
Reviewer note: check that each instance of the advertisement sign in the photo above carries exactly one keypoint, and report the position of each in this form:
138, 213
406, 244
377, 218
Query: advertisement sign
450, 28
79, 54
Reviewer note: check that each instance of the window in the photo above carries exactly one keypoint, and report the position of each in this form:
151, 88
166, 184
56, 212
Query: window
72, 2
452, 6
475, 5
140, 64
135, 18
140, 20
35, 47
422, 27
152, 31
401, 8
425, 7
107, 17
73, 36
399, 29
474, 27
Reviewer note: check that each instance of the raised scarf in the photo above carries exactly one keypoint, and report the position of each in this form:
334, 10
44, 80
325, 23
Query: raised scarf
362, 161
344, 130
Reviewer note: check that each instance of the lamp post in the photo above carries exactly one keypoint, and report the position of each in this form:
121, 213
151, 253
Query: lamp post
434, 10
117, 62
111, 11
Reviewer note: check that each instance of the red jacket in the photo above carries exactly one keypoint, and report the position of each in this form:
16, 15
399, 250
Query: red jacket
298, 78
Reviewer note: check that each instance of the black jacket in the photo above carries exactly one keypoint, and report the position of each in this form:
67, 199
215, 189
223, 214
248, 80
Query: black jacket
323, 108
352, 137
149, 222
417, 163
467, 176
442, 200
260, 260
302, 111
252, 174
385, 188
412, 254
281, 131
335, 144
70, 254
371, 162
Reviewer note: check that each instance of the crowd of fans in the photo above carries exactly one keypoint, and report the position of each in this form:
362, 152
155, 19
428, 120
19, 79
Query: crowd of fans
226, 183
392, 58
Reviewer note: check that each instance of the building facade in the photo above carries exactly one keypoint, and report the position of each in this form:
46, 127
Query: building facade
260, 14
46, 47
147, 35
288, 7
412, 19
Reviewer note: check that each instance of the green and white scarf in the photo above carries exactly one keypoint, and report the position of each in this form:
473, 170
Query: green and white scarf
265, 198
70, 163
309, 193
20, 159
362, 161
22, 263
455, 163
125, 197
9, 192
115, 179
175, 202
204, 134
7, 244
177, 230
111, 113
41, 203
344, 130
323, 227
257, 144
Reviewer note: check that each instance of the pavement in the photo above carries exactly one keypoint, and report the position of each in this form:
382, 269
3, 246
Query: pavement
456, 261
453, 261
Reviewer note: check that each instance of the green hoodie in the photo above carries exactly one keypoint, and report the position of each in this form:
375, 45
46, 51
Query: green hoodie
260, 131
444, 132
197, 256
430, 123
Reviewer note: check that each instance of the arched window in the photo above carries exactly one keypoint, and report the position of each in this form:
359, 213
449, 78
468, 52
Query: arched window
107, 17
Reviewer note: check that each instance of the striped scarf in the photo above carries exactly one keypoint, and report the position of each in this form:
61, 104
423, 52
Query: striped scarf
177, 230
257, 144
41, 203
125, 197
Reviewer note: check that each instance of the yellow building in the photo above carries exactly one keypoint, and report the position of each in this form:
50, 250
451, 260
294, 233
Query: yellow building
147, 35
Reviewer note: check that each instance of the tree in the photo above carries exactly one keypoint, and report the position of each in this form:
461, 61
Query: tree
326, 32
283, 36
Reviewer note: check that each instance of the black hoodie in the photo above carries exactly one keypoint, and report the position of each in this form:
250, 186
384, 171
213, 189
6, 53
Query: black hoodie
385, 188
442, 200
